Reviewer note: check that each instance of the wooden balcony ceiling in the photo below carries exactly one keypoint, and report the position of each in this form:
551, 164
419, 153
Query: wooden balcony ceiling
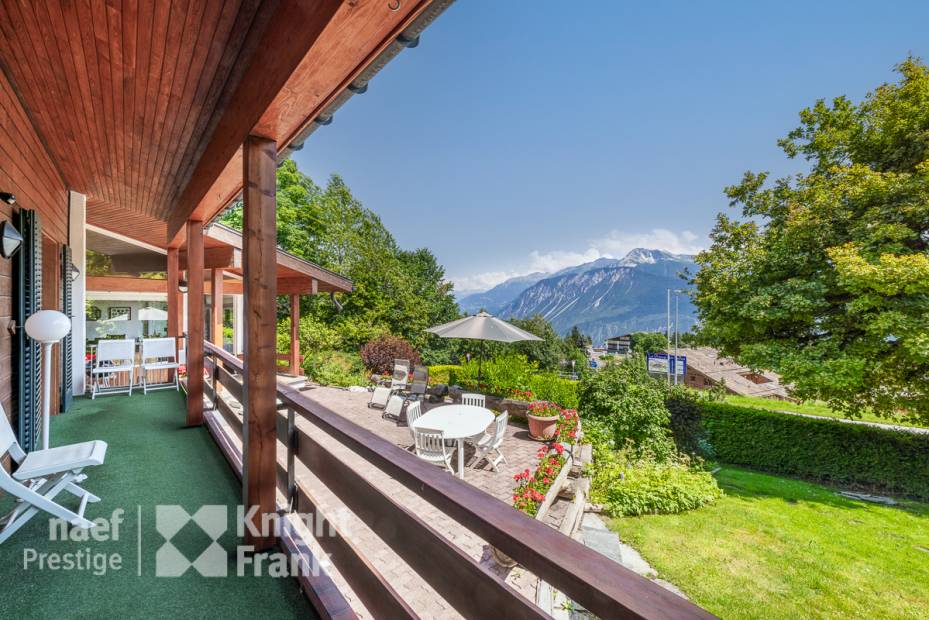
143, 106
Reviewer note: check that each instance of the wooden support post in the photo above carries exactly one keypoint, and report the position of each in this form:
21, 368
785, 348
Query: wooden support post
195, 323
295, 334
216, 293
259, 247
174, 297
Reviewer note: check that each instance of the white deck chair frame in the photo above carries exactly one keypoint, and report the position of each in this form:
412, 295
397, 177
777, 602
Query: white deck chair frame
159, 354
476, 400
413, 412
41, 476
429, 445
490, 443
113, 357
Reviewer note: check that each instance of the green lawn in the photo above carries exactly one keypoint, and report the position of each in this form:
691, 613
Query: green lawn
809, 408
780, 548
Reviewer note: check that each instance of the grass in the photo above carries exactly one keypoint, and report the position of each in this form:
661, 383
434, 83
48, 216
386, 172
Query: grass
779, 548
811, 408
151, 460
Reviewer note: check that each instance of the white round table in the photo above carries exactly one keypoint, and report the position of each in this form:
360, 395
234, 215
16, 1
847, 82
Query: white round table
457, 422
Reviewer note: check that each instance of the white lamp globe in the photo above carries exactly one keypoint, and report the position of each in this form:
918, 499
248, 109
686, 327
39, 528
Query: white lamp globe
48, 326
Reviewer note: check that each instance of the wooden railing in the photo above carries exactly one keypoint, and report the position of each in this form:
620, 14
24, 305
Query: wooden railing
594, 581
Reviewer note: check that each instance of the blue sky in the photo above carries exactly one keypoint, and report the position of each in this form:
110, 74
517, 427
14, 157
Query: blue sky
523, 136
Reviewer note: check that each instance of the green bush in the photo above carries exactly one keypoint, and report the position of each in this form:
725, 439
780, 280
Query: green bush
337, 368
627, 485
828, 450
685, 407
551, 387
447, 374
500, 375
631, 404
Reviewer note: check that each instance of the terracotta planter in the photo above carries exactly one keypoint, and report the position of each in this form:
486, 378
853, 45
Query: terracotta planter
542, 429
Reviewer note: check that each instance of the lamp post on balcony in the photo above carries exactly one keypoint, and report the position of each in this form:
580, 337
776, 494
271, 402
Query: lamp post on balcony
47, 327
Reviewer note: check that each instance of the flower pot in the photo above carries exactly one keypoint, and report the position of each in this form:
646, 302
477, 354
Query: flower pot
542, 428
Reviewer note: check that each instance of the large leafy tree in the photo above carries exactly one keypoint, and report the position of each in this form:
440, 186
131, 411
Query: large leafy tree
826, 279
396, 291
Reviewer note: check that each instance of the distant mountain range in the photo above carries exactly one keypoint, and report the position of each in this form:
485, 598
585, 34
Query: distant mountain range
604, 298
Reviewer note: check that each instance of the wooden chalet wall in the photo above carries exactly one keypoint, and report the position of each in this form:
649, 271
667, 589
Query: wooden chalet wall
27, 171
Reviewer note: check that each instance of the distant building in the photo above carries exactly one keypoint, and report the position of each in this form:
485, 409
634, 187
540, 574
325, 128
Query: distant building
619, 345
706, 368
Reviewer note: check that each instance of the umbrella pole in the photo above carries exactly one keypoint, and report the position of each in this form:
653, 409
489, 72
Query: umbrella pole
480, 364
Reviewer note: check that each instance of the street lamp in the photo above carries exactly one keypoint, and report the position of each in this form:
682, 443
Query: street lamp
47, 327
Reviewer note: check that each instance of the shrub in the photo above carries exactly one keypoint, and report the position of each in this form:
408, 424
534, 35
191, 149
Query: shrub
629, 485
447, 374
531, 487
544, 409
822, 449
499, 375
685, 408
549, 386
631, 404
335, 368
379, 354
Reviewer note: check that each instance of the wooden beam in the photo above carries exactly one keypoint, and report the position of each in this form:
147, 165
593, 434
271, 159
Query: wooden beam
216, 294
260, 245
125, 285
292, 30
195, 323
216, 258
295, 334
137, 263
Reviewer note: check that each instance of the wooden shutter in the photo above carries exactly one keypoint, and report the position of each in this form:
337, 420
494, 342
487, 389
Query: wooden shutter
27, 285
67, 344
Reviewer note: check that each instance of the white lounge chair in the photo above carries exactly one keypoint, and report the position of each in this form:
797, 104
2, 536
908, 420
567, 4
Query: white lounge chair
42, 475
430, 446
476, 400
159, 354
113, 357
491, 442
398, 381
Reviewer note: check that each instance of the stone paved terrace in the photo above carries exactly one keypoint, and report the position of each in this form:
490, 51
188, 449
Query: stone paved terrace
518, 448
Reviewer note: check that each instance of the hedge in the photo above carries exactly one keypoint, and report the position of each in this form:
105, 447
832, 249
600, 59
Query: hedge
544, 386
853, 455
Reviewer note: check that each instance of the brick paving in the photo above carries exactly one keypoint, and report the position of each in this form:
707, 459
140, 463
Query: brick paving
520, 452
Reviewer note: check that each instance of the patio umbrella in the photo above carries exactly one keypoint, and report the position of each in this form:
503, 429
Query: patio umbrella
482, 326
153, 314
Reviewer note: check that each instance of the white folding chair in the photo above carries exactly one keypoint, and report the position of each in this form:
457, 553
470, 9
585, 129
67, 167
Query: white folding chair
380, 399
491, 442
42, 475
413, 412
401, 375
477, 400
430, 446
113, 357
159, 354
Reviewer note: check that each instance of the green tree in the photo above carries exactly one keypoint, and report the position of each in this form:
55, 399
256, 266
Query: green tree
649, 342
826, 279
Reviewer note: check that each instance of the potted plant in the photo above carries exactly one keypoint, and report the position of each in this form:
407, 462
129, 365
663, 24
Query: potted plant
543, 420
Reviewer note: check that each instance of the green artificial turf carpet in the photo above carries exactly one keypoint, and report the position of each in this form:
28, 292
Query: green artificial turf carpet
151, 460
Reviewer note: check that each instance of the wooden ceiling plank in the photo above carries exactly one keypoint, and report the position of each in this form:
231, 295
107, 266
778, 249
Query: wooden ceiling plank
84, 84
33, 61
102, 51
130, 18
53, 22
177, 22
244, 37
160, 24
196, 50
115, 30
206, 95
143, 33
293, 29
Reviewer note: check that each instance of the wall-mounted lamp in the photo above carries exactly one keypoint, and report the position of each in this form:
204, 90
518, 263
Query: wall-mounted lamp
8, 198
10, 240
182, 286
75, 272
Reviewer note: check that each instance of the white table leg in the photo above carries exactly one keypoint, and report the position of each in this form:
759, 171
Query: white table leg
461, 458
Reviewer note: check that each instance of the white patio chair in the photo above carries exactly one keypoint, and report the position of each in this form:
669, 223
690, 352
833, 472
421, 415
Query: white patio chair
430, 446
113, 357
413, 412
42, 475
476, 400
159, 354
491, 442
380, 399
401, 375
394, 408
